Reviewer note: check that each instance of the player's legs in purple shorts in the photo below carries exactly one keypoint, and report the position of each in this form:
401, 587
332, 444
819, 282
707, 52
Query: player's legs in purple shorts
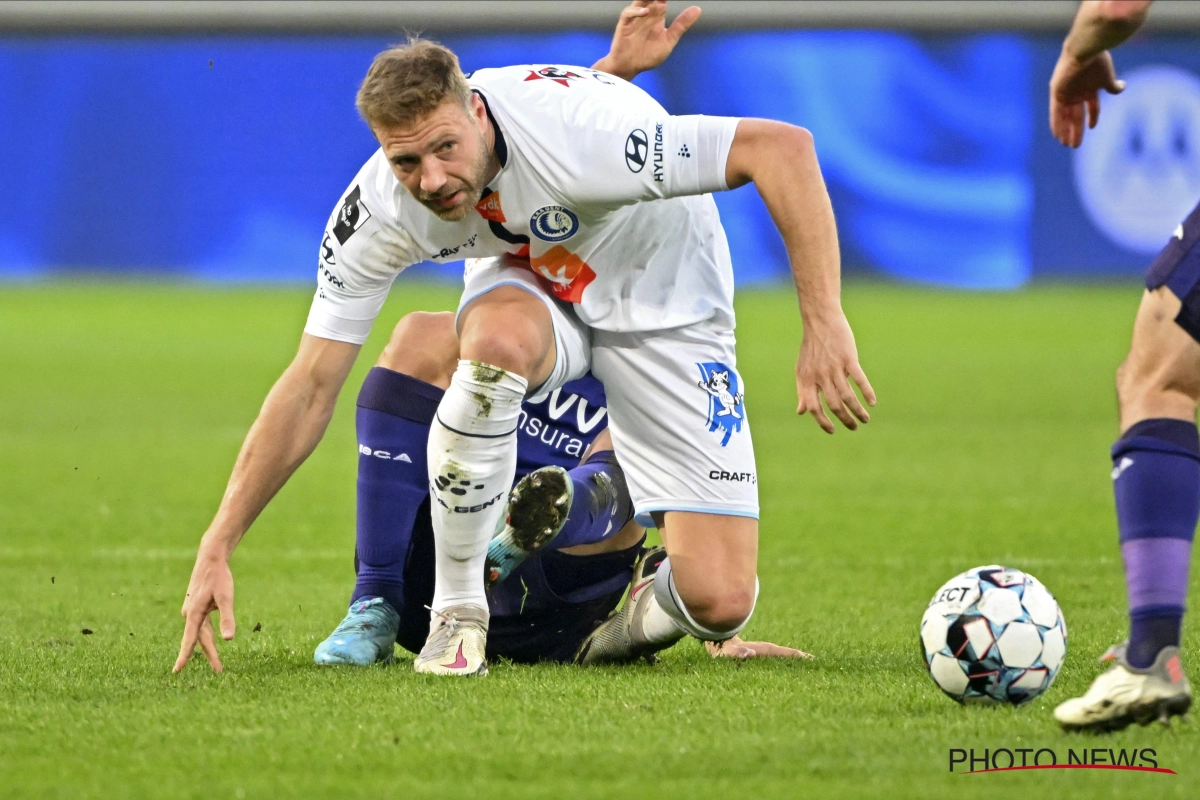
1156, 480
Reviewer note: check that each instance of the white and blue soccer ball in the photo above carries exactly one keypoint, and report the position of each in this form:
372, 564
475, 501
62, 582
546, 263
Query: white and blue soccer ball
993, 635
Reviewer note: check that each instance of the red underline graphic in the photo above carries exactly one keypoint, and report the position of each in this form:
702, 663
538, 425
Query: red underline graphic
1074, 766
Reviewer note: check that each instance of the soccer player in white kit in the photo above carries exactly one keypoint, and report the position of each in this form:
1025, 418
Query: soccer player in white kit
605, 194
613, 258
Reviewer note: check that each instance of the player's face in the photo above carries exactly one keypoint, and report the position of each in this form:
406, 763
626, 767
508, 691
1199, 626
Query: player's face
443, 159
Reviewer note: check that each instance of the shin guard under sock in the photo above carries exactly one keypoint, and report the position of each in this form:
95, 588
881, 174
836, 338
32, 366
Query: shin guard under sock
1156, 480
601, 505
472, 459
392, 425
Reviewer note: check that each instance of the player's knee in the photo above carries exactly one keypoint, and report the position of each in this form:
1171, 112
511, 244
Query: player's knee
520, 351
527, 346
1145, 382
722, 612
712, 611
423, 345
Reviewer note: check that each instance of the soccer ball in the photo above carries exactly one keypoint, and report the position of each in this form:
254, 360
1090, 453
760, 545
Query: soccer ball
993, 635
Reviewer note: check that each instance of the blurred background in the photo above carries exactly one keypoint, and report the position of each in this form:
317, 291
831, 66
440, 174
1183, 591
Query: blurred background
210, 140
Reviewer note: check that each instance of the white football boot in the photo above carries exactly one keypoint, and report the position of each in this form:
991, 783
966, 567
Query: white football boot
456, 644
620, 638
1124, 694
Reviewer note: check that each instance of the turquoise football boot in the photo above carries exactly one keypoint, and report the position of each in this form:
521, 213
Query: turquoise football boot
366, 636
537, 510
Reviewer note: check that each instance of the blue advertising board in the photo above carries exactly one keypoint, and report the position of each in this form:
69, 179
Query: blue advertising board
221, 158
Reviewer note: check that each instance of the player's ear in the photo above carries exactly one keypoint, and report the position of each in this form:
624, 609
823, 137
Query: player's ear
478, 111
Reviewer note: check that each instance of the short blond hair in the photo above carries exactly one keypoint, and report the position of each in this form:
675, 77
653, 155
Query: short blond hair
408, 81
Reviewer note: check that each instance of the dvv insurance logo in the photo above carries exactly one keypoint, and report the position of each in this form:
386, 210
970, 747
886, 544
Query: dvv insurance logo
973, 761
1138, 171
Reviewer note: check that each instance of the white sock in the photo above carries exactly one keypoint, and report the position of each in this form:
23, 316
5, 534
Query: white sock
472, 456
658, 626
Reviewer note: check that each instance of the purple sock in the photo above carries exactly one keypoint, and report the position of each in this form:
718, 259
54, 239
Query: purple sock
601, 506
392, 423
1156, 479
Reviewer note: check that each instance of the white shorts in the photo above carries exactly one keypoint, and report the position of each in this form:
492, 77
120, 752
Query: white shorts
677, 415
676, 403
572, 339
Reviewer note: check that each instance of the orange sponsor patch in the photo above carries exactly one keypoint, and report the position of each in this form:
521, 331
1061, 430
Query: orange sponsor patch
566, 272
489, 208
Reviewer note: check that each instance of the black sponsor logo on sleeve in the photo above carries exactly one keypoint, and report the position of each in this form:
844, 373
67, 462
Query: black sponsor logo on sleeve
658, 153
351, 216
327, 256
636, 146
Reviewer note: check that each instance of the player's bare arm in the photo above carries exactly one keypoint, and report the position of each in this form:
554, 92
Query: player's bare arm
1085, 66
781, 160
289, 426
643, 40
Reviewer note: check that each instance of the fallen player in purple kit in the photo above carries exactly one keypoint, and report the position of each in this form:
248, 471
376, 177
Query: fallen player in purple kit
563, 562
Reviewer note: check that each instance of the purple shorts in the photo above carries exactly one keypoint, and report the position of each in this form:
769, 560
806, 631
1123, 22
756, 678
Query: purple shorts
1177, 267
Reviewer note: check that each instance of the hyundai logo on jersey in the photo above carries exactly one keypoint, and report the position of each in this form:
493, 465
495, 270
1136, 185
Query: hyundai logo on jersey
725, 407
636, 145
553, 223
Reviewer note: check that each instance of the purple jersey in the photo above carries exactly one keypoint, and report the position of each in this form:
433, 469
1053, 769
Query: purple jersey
559, 429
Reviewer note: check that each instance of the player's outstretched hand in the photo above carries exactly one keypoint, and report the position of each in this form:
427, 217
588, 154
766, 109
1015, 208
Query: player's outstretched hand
828, 362
210, 589
642, 40
737, 648
1075, 95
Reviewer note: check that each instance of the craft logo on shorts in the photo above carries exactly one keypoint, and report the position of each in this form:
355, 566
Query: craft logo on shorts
725, 407
553, 223
636, 147
1138, 172
351, 216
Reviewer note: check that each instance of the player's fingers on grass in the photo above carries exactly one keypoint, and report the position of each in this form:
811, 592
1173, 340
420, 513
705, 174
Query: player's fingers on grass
686, 19
228, 624
191, 636
191, 632
729, 649
864, 385
772, 650
208, 644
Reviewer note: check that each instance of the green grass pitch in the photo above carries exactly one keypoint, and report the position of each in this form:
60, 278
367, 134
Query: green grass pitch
122, 407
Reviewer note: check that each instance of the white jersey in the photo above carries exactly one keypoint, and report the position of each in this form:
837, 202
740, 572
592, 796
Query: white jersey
599, 187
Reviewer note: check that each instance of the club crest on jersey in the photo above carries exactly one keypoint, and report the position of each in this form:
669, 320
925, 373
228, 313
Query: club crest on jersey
351, 216
725, 407
559, 76
553, 223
